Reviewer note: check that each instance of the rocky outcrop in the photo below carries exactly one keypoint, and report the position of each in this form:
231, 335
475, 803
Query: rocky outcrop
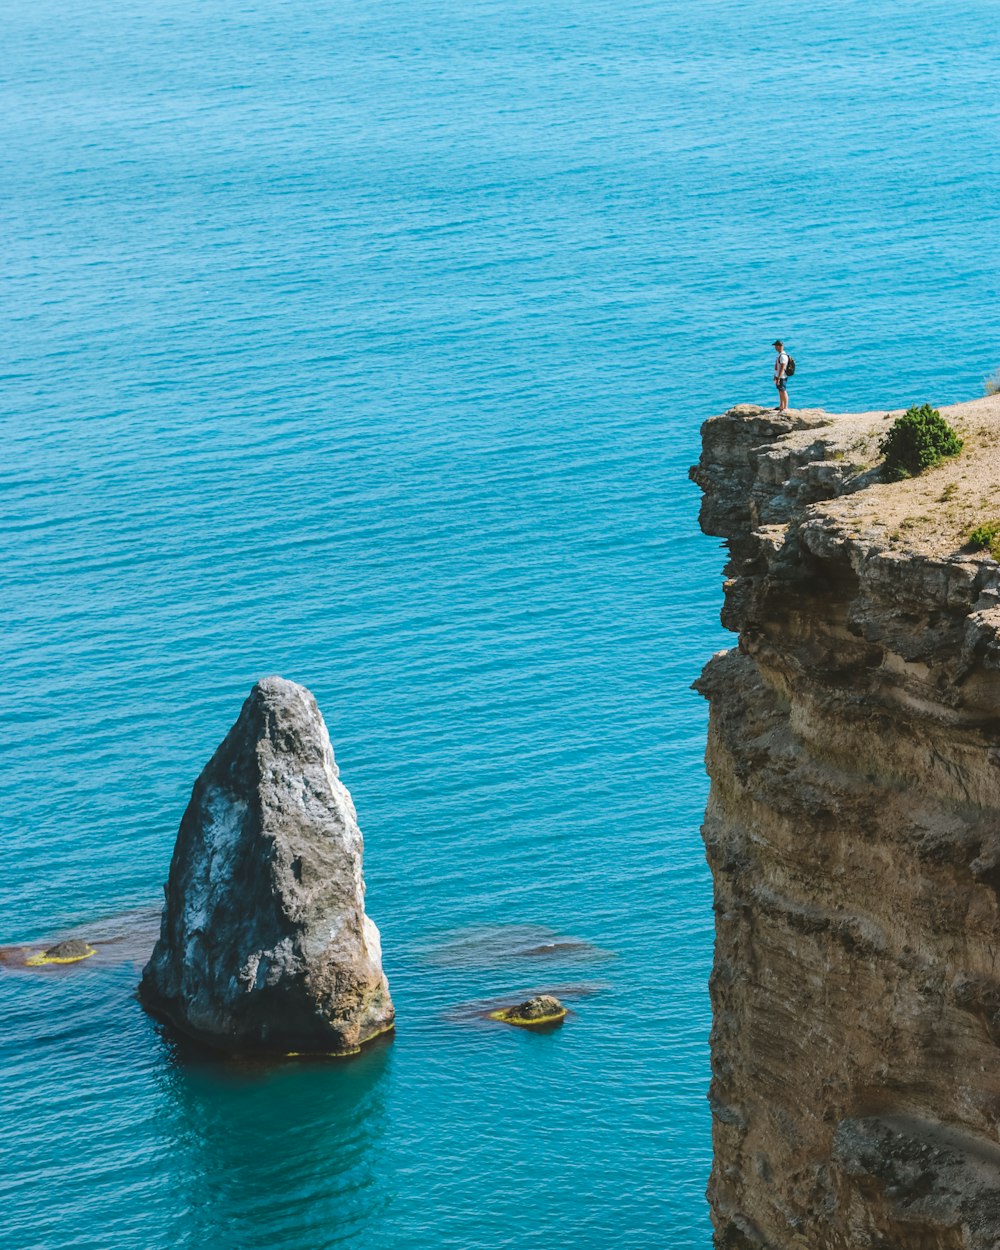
264, 943
853, 832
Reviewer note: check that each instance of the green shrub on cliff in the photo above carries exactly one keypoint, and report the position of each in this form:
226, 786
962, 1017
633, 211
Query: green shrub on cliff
918, 440
986, 536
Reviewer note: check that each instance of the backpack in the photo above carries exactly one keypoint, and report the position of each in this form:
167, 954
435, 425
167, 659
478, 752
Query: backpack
790, 367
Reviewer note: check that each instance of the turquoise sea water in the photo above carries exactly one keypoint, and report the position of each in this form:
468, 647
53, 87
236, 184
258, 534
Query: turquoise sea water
367, 343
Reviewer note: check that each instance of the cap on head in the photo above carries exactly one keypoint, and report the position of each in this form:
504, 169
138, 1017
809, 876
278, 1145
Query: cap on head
777, 343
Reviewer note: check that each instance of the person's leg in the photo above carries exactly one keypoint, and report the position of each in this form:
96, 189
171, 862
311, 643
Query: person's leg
782, 397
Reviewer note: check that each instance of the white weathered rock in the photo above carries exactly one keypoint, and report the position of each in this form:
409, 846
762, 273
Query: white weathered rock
264, 942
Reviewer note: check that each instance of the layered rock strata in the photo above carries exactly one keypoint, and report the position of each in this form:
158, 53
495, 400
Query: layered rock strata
853, 833
264, 943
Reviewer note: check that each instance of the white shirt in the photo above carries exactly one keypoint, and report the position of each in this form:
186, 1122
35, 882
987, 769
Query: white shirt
780, 364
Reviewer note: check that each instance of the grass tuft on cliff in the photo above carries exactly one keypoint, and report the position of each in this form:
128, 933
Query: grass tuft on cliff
918, 440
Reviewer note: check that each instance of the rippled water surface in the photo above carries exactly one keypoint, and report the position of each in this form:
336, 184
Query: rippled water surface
367, 343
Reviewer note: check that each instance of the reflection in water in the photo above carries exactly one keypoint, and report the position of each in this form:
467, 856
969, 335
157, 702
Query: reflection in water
276, 1153
486, 946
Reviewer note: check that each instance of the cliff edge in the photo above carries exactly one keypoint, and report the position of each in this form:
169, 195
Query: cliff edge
853, 833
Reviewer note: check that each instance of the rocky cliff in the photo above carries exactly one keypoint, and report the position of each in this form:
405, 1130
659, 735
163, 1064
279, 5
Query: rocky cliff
264, 942
853, 833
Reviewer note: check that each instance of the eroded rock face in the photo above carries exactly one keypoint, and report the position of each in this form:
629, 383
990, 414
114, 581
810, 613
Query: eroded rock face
264, 943
853, 832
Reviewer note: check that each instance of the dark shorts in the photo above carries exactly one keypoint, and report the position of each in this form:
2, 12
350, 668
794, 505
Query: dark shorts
780, 384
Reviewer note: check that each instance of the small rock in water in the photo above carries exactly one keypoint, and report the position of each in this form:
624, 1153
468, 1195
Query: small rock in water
69, 952
264, 943
542, 1009
73, 949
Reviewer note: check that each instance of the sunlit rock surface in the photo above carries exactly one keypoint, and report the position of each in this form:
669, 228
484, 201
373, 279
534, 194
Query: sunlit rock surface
264, 943
853, 831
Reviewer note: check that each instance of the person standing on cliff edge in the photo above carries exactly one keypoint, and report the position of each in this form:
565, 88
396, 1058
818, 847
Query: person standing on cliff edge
780, 365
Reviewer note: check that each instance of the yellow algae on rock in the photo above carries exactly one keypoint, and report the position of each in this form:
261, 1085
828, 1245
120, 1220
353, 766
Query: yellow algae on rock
390, 1028
63, 953
540, 1010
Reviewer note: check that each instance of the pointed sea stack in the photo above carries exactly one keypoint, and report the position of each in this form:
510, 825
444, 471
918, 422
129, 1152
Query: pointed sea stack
264, 943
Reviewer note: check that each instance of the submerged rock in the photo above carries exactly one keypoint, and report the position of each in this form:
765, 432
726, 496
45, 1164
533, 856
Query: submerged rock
542, 1009
128, 937
487, 946
264, 943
